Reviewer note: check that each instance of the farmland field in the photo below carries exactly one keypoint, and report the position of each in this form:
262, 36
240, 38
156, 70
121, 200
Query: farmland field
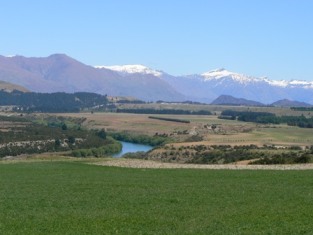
72, 197
192, 142
230, 131
49, 194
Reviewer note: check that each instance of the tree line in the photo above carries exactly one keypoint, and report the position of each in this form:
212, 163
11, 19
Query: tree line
302, 108
170, 119
163, 111
267, 118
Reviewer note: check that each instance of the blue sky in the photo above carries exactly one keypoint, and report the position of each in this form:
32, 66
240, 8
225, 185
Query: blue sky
256, 37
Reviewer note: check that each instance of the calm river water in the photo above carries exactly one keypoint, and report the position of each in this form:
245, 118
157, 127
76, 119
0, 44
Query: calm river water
132, 148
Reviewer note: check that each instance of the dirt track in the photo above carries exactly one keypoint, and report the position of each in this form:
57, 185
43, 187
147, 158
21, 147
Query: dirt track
136, 163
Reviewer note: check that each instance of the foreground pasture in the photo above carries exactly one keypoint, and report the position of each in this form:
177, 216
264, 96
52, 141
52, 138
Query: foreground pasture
72, 197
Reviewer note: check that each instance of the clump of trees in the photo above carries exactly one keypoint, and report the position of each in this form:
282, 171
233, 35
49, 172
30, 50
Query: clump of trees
302, 108
111, 147
155, 140
267, 118
136, 155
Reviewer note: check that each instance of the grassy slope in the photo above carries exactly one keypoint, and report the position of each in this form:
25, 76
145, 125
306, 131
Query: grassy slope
75, 198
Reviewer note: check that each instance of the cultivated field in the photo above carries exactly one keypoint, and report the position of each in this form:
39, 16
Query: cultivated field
137, 123
72, 197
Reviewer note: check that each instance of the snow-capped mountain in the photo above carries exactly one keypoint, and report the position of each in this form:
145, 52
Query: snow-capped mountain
207, 86
220, 74
132, 69
62, 73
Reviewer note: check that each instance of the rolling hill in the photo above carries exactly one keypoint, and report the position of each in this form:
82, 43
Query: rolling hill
230, 100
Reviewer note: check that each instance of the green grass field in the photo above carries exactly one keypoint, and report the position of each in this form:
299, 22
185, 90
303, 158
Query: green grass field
71, 197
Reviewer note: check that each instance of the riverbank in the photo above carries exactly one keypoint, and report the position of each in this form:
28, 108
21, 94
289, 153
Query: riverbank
136, 163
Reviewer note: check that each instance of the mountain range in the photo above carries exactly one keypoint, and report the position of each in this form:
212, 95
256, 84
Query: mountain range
209, 85
60, 72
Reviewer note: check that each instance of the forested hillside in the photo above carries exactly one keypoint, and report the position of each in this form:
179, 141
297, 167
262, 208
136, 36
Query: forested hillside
51, 102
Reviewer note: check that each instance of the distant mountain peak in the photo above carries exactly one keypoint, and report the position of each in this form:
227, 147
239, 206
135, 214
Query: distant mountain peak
10, 56
59, 55
230, 100
219, 71
131, 69
223, 73
290, 103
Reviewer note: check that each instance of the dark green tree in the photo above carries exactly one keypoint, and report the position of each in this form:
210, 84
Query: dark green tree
71, 139
64, 127
57, 143
102, 134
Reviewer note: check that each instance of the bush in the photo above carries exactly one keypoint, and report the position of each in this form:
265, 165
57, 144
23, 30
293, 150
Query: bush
110, 148
140, 139
102, 134
136, 155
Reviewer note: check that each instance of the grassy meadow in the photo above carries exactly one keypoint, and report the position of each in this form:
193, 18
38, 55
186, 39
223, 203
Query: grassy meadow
72, 197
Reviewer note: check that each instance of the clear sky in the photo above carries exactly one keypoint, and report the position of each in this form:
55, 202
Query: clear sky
272, 38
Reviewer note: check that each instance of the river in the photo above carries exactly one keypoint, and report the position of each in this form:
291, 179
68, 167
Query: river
128, 147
